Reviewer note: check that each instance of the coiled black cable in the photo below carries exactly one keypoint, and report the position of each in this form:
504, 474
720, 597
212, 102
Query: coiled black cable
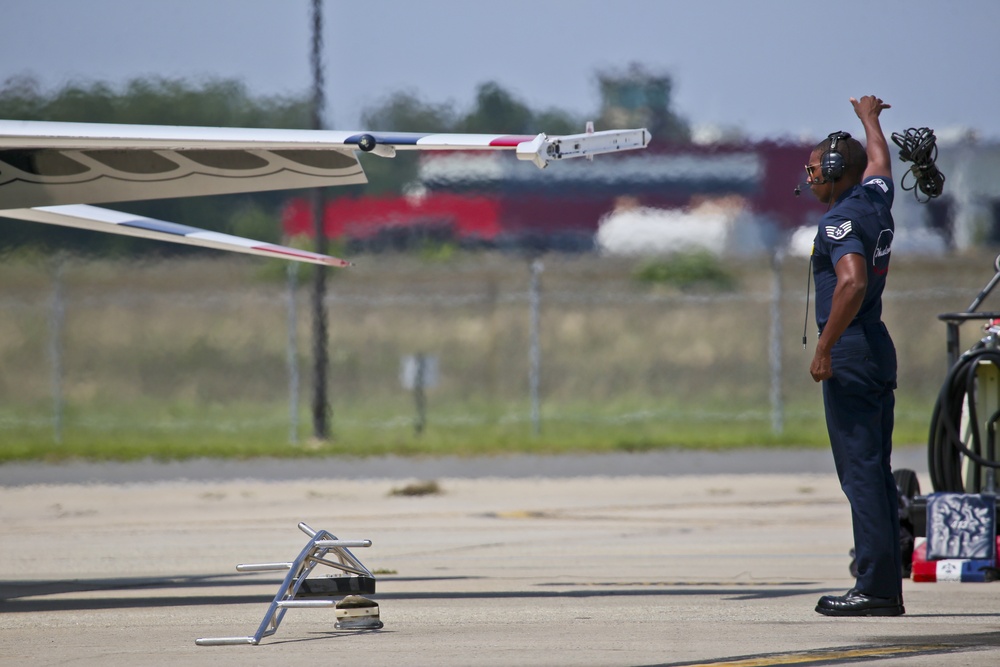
945, 446
920, 148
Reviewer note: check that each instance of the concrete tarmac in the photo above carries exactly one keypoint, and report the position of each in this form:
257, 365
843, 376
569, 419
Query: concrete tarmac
648, 559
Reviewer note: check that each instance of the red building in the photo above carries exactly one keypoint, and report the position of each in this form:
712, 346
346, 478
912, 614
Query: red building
490, 199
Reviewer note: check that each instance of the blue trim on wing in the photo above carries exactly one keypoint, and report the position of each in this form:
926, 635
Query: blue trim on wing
396, 138
161, 226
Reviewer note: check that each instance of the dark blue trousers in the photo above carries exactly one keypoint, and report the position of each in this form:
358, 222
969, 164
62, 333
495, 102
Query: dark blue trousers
859, 403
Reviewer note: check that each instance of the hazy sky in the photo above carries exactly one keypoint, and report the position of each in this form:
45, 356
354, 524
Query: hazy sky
772, 68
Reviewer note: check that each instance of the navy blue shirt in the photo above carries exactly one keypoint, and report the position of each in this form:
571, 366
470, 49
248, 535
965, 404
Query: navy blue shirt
859, 222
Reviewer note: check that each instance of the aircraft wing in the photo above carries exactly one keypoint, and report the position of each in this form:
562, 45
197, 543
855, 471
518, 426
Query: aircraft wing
53, 165
83, 216
49, 164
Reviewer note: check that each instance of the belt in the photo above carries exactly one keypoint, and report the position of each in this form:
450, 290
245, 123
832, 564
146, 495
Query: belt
862, 327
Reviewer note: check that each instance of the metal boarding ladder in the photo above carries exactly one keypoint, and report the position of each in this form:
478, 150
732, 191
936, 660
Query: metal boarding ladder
295, 592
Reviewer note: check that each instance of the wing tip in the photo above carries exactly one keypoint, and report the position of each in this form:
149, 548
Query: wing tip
311, 257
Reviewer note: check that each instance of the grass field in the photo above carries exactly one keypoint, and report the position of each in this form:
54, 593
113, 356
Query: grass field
189, 357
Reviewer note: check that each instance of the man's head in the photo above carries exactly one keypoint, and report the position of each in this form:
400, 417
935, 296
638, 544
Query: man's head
835, 164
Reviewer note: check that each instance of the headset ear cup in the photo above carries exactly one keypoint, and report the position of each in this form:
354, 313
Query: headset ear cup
832, 165
832, 162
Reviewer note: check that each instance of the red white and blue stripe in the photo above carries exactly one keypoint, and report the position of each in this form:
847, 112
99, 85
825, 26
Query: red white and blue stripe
415, 140
950, 569
82, 136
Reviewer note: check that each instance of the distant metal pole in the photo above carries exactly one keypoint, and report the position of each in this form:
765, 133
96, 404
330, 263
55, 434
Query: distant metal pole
320, 405
777, 408
535, 346
293, 354
57, 315
419, 394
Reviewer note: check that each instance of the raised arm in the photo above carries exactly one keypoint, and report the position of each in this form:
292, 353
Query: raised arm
868, 109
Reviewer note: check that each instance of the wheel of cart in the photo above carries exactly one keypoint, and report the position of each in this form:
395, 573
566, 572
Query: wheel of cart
907, 488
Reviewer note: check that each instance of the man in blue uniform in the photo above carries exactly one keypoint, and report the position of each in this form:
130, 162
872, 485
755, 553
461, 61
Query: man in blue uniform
855, 358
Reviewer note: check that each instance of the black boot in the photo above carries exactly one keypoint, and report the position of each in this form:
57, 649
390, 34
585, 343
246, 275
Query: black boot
855, 603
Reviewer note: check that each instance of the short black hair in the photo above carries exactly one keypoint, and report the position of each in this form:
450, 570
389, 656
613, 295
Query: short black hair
855, 156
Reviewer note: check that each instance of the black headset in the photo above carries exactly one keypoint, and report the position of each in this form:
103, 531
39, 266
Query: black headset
832, 163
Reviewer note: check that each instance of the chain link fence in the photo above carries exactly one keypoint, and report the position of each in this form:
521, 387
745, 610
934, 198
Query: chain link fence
175, 347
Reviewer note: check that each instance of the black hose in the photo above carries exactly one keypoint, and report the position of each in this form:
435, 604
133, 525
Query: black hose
920, 147
945, 446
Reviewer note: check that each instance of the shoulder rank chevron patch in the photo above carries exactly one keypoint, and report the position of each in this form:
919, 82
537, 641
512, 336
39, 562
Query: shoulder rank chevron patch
837, 233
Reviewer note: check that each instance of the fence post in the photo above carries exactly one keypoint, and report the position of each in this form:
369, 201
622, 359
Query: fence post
56, 317
535, 347
292, 354
419, 394
777, 407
